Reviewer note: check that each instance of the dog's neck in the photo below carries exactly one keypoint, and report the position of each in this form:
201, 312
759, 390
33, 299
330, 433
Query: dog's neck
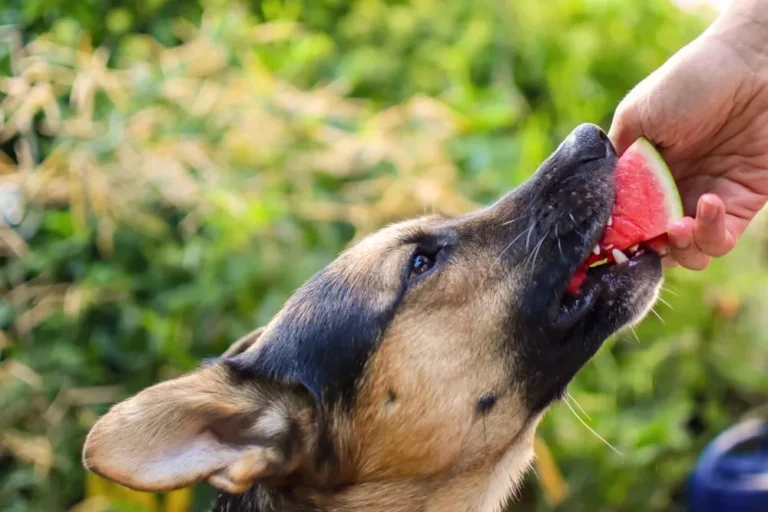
482, 489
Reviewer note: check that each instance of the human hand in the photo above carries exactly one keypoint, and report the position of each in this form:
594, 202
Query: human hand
706, 109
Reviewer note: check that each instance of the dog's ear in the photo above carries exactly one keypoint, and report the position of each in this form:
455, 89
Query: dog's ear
209, 425
243, 343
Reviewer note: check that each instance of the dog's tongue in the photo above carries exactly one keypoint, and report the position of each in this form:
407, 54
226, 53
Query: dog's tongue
647, 202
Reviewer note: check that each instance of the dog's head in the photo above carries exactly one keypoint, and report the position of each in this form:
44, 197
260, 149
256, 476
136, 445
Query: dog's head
428, 349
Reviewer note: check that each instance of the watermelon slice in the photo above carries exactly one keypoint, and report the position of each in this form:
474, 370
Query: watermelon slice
647, 202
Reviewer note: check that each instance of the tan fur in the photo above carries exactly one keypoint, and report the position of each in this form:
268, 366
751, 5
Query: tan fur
197, 427
396, 445
484, 486
445, 409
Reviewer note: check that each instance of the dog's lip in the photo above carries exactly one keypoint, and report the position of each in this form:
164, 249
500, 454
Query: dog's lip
607, 274
567, 311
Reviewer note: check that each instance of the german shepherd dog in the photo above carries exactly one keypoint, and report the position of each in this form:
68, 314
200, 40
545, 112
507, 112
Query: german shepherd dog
408, 375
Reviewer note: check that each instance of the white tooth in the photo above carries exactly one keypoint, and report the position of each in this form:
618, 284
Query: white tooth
610, 221
596, 250
619, 256
633, 249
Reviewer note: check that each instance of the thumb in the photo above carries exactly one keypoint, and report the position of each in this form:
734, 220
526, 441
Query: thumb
626, 127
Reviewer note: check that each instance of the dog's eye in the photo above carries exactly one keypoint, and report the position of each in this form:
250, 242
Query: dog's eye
421, 263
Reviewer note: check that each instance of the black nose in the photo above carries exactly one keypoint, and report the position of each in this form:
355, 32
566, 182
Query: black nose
588, 142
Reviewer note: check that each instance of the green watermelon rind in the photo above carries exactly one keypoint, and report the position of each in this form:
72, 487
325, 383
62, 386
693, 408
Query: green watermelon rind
663, 175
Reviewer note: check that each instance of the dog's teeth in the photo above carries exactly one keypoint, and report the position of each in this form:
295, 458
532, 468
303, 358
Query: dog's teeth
610, 221
633, 249
619, 256
596, 250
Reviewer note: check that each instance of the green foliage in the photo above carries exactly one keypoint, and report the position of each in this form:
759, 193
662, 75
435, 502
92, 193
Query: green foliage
105, 21
175, 196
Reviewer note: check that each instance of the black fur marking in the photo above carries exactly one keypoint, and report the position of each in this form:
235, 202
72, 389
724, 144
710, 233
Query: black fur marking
261, 498
485, 404
325, 335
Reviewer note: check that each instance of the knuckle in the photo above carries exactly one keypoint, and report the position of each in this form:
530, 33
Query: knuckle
669, 262
698, 263
715, 244
691, 258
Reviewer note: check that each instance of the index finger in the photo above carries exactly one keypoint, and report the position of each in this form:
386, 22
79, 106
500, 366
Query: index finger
625, 127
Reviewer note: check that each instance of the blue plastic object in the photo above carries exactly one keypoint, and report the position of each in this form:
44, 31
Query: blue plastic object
732, 472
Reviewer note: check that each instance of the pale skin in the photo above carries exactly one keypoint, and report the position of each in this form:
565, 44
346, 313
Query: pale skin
706, 109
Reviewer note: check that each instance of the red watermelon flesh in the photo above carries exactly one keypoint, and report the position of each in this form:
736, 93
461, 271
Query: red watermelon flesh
647, 202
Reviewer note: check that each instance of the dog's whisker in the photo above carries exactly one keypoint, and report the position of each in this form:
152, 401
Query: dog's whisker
538, 248
666, 303
559, 245
528, 238
510, 245
609, 445
631, 328
658, 316
670, 291
579, 406
513, 220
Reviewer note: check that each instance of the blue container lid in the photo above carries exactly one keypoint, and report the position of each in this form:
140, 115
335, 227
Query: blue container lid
732, 472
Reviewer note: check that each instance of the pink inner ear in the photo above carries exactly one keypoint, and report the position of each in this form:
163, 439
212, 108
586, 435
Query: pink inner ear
136, 457
161, 439
189, 463
185, 430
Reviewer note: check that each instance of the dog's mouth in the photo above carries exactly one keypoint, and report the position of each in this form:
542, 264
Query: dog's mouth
605, 279
585, 290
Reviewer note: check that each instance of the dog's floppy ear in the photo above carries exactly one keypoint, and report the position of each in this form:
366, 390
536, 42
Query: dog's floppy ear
209, 425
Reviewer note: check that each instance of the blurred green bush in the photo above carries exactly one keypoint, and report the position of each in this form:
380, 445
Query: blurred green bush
164, 193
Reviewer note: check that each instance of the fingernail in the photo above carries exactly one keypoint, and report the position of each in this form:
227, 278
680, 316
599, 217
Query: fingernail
707, 211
